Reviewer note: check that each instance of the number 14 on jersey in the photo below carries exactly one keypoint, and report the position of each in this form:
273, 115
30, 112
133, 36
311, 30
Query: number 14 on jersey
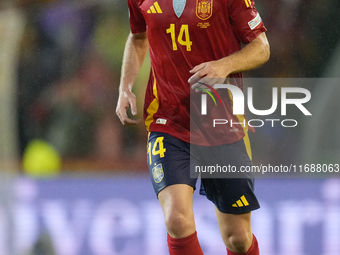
183, 32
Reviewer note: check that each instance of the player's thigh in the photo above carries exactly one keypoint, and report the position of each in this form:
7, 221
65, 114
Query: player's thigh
176, 201
177, 197
168, 161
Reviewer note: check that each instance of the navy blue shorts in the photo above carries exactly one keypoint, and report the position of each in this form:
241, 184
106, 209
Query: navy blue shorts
170, 160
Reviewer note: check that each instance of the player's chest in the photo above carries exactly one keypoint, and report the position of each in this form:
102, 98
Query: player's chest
195, 13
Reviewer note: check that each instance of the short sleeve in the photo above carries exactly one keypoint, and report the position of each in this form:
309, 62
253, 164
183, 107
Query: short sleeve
137, 21
246, 21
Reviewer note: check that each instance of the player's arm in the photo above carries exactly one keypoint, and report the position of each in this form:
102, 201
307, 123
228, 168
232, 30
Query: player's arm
136, 47
253, 55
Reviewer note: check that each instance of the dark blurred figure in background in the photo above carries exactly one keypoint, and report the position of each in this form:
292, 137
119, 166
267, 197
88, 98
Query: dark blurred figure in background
66, 74
303, 36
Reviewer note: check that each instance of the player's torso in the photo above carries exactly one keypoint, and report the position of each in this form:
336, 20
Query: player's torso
182, 34
192, 31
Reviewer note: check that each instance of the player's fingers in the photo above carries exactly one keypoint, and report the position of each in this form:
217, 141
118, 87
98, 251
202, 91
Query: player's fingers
208, 81
125, 120
198, 68
133, 105
131, 122
200, 83
216, 81
206, 84
197, 76
198, 72
120, 115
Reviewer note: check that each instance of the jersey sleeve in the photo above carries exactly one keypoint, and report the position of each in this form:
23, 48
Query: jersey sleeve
137, 21
246, 21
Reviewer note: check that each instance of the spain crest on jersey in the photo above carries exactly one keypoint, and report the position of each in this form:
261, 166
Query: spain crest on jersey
204, 9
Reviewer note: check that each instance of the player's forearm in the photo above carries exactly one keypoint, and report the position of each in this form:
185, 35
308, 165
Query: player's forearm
253, 55
134, 54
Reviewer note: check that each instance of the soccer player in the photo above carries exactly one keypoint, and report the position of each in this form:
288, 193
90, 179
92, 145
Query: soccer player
193, 43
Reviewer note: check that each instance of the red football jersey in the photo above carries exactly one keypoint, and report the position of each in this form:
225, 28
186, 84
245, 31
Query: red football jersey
183, 34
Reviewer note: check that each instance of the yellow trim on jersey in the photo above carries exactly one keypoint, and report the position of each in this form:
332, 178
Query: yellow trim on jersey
248, 147
153, 106
242, 119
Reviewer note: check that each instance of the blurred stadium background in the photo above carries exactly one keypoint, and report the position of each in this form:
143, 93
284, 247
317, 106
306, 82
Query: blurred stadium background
74, 181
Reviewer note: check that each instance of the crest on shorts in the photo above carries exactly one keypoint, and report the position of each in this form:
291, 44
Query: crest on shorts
204, 9
178, 7
157, 173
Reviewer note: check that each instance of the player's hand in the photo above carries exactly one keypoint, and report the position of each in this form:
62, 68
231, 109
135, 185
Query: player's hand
208, 73
127, 100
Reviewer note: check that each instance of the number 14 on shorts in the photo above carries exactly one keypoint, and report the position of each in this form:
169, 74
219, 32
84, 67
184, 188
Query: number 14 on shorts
157, 148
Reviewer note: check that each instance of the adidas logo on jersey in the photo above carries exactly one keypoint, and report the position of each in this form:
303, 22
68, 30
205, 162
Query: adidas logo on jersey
241, 202
155, 8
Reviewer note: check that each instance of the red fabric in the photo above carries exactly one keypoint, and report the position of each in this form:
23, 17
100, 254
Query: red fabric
179, 44
253, 250
184, 246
